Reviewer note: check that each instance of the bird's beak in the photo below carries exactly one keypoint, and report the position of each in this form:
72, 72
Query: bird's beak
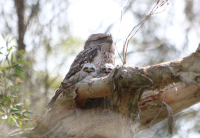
89, 71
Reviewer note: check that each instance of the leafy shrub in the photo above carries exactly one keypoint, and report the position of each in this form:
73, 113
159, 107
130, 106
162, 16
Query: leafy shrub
14, 108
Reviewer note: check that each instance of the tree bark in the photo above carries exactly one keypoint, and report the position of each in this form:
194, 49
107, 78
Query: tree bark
19, 4
136, 95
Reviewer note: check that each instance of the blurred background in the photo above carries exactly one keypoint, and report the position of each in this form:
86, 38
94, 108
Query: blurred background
41, 38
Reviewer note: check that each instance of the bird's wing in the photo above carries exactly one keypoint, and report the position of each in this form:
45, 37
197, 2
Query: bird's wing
53, 99
82, 58
85, 56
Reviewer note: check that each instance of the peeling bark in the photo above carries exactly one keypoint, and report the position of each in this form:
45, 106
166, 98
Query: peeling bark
133, 91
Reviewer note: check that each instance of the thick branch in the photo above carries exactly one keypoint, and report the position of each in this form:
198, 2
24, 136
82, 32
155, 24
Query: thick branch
125, 85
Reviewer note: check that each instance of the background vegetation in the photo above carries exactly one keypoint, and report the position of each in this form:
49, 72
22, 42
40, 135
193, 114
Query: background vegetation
38, 44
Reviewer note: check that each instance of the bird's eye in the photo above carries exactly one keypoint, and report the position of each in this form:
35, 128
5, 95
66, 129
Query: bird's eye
85, 68
109, 68
92, 69
103, 68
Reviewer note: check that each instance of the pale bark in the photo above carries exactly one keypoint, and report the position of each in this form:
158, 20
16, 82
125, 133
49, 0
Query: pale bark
124, 85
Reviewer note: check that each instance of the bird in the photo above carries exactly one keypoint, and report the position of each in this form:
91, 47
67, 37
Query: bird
98, 50
88, 69
105, 70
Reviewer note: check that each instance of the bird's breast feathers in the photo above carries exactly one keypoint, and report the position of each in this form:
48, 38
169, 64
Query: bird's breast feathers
103, 57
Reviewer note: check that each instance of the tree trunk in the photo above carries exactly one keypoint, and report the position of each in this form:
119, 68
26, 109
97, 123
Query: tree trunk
19, 4
136, 95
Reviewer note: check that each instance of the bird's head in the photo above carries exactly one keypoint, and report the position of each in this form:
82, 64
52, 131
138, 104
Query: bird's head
89, 68
99, 40
107, 68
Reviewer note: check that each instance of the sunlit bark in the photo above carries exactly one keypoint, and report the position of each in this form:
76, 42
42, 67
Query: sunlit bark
131, 90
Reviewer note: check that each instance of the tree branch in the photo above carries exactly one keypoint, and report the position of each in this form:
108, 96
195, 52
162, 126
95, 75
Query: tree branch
125, 85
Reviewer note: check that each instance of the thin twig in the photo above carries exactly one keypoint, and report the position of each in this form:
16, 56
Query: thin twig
119, 29
150, 47
130, 35
159, 110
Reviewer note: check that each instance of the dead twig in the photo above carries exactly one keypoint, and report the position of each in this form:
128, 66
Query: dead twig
159, 110
120, 28
159, 4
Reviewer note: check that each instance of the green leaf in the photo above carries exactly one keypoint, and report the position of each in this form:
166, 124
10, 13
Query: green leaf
27, 107
28, 112
2, 68
20, 75
3, 36
1, 110
9, 119
14, 121
29, 93
20, 123
7, 58
18, 86
7, 99
14, 46
24, 116
17, 68
13, 66
14, 110
11, 60
7, 42
1, 96
9, 49
0, 50
21, 53
22, 62
12, 39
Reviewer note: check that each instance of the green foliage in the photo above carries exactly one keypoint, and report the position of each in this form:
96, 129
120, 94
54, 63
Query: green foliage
71, 45
11, 110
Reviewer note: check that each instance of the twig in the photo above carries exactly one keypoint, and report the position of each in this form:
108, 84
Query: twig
159, 110
170, 118
150, 47
119, 29
130, 35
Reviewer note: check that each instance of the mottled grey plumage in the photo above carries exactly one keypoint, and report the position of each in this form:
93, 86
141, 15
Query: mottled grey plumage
87, 70
98, 50
86, 56
105, 70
